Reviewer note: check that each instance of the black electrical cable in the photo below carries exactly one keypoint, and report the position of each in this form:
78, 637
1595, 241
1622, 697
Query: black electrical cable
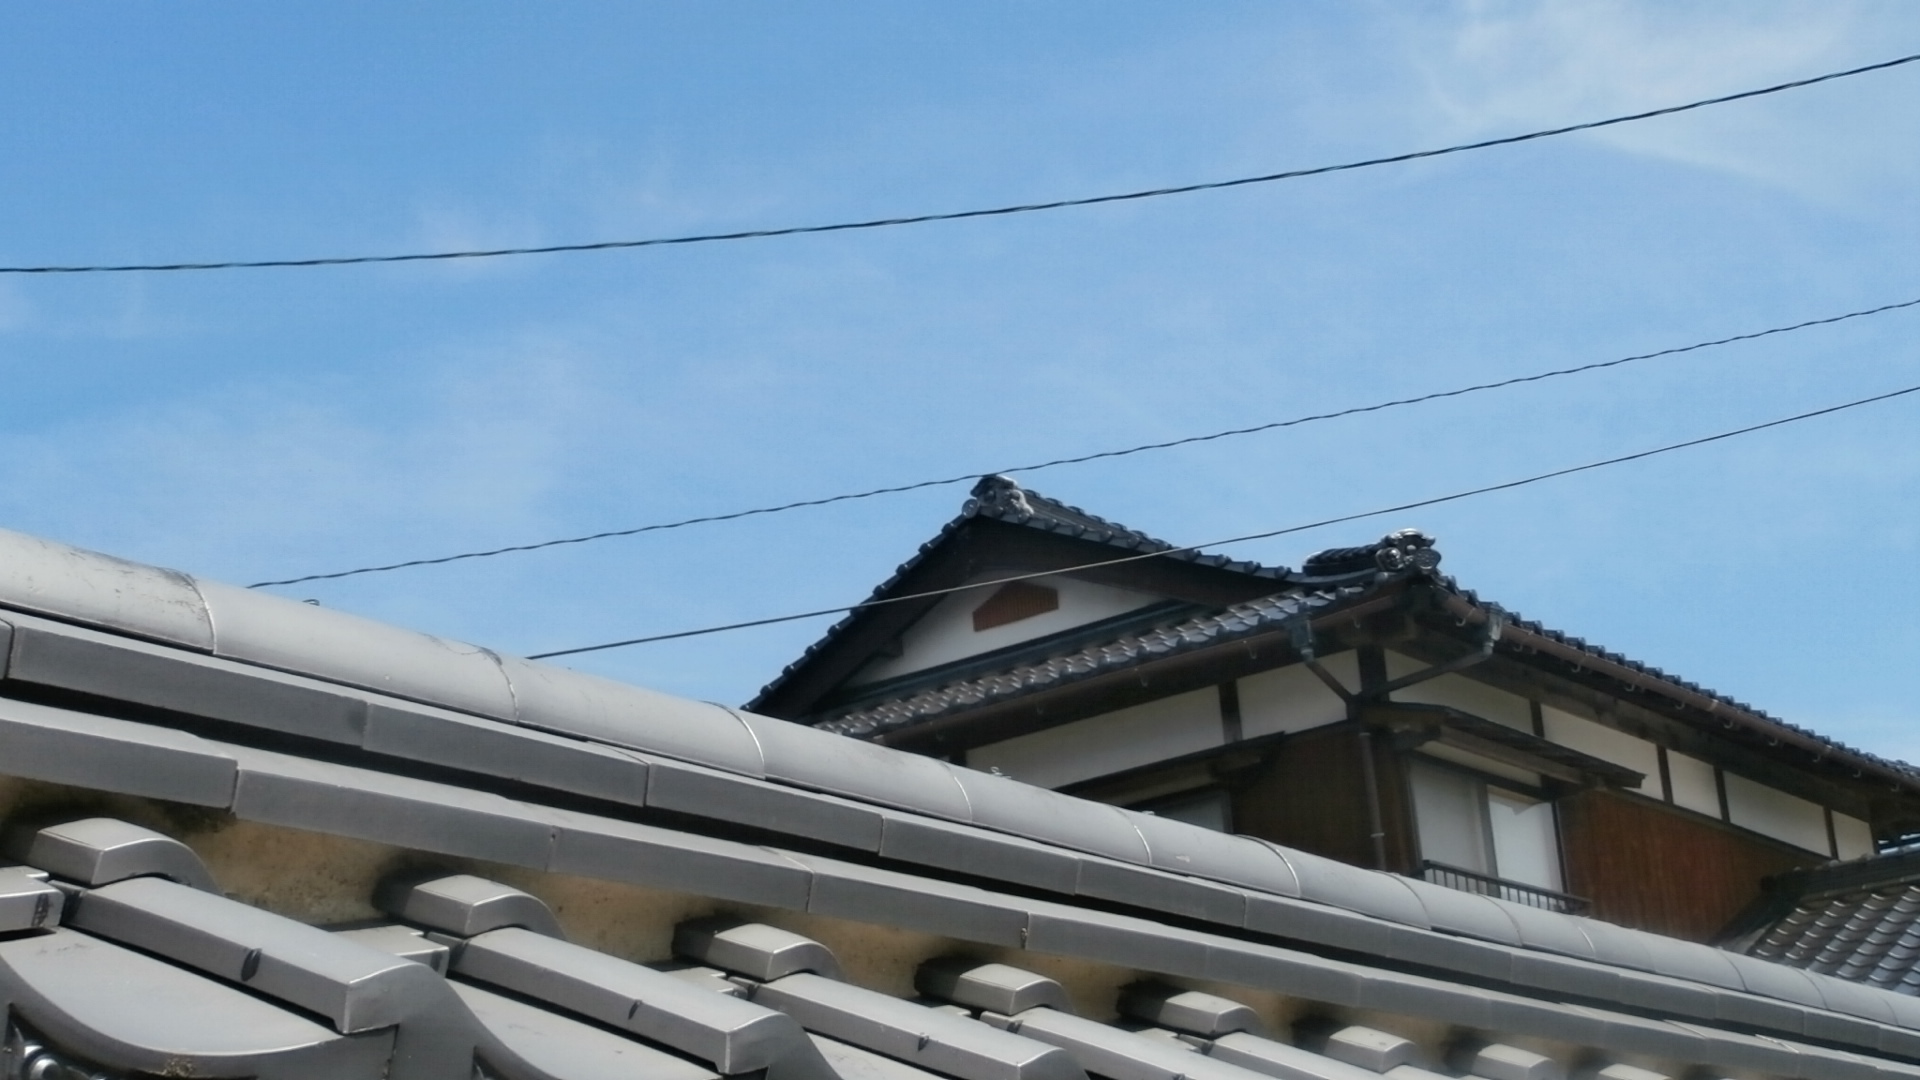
960, 215
1083, 458
1435, 501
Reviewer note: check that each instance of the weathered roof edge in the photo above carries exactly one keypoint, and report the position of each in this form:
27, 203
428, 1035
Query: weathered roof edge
1527, 633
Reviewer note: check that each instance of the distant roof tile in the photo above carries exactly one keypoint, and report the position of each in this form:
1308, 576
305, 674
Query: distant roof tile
1335, 572
1234, 621
1652, 673
999, 498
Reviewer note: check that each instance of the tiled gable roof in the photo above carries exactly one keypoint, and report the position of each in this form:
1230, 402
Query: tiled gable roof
1187, 635
1857, 920
997, 498
1331, 576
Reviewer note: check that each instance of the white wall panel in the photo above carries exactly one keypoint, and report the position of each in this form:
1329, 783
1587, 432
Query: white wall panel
1460, 692
1293, 699
1109, 743
1603, 742
945, 633
1768, 812
1854, 836
1694, 787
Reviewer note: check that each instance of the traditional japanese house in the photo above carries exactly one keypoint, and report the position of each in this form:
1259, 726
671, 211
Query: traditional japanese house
1364, 707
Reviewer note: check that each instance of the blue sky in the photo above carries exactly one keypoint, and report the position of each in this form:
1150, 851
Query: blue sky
263, 424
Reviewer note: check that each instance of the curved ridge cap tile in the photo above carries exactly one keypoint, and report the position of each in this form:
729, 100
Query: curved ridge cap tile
1370, 892
1778, 981
1619, 945
100, 851
861, 770
1464, 913
1006, 805
275, 632
1215, 856
568, 702
1854, 998
1905, 1007
137, 1012
1547, 931
1696, 963
49, 578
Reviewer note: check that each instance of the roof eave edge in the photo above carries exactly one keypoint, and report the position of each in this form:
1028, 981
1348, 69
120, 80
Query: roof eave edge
1474, 614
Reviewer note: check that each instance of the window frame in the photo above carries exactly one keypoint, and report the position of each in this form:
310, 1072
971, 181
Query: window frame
1543, 795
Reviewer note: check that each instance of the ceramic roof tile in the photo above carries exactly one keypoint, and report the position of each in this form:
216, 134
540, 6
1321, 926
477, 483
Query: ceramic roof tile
1236, 621
997, 498
1336, 573
1864, 936
460, 810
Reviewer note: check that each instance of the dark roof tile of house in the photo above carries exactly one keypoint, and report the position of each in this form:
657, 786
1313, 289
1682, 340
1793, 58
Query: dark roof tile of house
1332, 576
997, 498
1187, 635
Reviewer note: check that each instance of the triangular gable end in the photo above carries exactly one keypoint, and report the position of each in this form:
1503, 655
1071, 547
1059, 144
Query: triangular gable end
1004, 531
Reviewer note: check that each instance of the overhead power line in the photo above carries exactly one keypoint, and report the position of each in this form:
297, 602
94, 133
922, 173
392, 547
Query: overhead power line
1267, 534
1083, 458
957, 215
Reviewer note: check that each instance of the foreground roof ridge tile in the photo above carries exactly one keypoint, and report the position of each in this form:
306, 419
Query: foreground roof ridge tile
140, 603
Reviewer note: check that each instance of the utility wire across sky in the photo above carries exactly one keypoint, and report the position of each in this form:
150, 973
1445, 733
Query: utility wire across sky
1083, 458
1362, 515
958, 215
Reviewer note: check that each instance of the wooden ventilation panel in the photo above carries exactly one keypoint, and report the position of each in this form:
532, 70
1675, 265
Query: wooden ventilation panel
1014, 601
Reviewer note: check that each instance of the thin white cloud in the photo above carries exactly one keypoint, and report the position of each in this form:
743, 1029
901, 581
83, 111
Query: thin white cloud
15, 311
1493, 67
240, 482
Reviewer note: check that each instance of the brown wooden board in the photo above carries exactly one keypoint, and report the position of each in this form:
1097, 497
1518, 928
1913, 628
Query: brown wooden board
1654, 868
1312, 795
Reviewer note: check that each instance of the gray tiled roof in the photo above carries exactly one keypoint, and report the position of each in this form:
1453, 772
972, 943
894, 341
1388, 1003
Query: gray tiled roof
1857, 920
997, 498
1233, 622
1650, 674
1871, 936
304, 719
1333, 576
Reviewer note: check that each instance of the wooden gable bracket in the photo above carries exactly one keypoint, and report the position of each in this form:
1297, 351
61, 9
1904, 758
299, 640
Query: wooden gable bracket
1489, 636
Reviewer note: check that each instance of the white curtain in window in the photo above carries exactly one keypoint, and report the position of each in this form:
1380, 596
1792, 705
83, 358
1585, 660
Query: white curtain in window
1450, 810
1525, 842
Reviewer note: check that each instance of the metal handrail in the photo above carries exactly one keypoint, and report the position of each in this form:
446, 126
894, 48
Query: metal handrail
1472, 881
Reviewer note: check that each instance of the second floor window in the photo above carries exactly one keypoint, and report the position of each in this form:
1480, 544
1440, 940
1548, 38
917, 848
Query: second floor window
1467, 823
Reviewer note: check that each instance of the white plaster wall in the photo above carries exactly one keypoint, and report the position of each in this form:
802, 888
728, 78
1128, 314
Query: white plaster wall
1460, 692
1854, 836
946, 633
1768, 812
1110, 743
1598, 740
1694, 787
1292, 698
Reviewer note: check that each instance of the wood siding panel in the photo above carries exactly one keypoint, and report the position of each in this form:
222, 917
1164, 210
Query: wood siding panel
1647, 866
1311, 795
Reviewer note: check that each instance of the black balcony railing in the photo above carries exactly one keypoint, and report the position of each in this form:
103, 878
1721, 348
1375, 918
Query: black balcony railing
1454, 877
